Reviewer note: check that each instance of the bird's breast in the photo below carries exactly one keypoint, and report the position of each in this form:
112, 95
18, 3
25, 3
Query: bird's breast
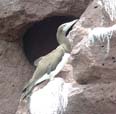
61, 64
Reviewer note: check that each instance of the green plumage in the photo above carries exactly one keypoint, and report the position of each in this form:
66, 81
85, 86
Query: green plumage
46, 64
49, 62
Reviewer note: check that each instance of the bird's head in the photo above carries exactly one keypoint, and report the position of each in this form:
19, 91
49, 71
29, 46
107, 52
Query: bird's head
62, 29
61, 34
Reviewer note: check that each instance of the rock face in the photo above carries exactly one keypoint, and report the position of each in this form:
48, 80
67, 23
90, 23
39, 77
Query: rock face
92, 69
94, 72
14, 71
15, 17
91, 64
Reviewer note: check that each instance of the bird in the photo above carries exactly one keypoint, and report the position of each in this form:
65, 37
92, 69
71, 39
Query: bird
48, 66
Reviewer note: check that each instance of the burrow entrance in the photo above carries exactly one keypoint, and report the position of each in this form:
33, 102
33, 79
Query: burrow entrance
40, 38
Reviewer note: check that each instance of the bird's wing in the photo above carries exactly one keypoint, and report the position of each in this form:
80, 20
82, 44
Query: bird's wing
37, 61
45, 66
36, 77
49, 69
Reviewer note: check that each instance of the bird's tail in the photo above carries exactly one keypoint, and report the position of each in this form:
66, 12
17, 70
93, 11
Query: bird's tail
31, 85
27, 90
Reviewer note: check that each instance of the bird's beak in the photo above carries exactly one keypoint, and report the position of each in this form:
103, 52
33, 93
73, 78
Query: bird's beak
69, 25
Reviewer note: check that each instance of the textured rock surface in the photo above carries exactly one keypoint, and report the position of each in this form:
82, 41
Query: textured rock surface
14, 71
96, 74
91, 61
15, 17
97, 98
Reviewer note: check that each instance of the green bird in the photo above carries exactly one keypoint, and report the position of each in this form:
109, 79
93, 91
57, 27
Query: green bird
48, 66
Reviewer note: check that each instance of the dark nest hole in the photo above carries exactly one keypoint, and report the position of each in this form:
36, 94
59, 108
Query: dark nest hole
40, 38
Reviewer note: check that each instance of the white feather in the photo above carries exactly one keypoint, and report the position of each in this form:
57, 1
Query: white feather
57, 70
60, 65
52, 99
110, 8
98, 34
